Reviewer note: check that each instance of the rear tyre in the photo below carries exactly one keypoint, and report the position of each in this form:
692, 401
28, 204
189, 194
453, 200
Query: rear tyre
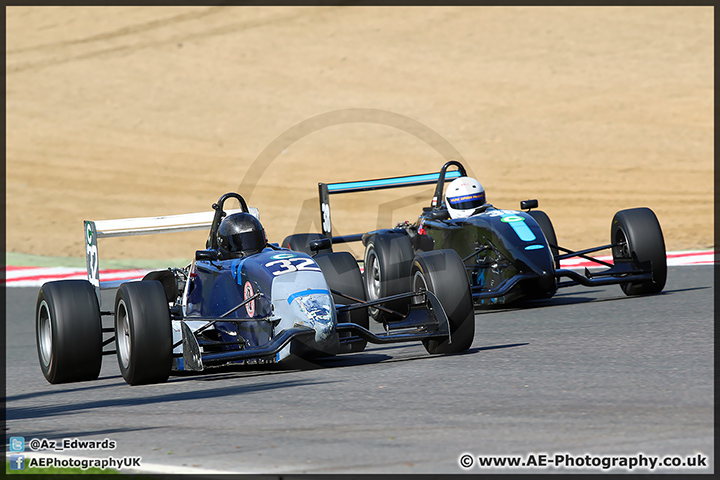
343, 275
547, 228
300, 242
68, 331
388, 260
637, 237
443, 273
143, 332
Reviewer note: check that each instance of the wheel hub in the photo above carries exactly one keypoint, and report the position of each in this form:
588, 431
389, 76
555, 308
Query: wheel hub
45, 333
123, 335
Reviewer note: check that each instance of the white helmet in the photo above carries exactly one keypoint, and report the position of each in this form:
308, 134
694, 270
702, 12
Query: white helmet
463, 196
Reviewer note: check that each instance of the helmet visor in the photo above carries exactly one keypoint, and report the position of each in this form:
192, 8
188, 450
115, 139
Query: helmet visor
467, 202
253, 241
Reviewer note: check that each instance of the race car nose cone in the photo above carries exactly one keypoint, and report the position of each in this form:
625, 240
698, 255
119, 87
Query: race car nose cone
315, 310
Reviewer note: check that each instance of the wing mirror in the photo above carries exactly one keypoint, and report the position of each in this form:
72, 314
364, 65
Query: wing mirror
208, 255
528, 204
441, 214
320, 244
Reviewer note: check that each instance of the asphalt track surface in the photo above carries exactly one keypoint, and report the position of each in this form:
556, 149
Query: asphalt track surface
590, 371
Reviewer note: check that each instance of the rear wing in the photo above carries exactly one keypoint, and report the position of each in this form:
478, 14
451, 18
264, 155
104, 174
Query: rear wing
327, 189
124, 227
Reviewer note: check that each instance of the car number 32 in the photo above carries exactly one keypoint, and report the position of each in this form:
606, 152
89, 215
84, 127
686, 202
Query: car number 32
288, 265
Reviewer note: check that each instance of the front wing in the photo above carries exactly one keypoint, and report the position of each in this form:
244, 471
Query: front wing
426, 319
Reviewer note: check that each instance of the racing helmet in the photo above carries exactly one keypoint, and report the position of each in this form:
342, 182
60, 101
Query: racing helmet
463, 196
241, 234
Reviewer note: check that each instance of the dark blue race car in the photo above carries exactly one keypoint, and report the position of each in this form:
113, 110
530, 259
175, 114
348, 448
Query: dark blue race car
507, 256
241, 299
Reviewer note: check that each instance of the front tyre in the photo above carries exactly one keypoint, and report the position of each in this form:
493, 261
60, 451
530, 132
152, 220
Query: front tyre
546, 226
143, 332
343, 275
443, 273
637, 238
68, 331
387, 262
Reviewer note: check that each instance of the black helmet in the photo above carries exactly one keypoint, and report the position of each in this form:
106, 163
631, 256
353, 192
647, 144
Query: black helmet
241, 233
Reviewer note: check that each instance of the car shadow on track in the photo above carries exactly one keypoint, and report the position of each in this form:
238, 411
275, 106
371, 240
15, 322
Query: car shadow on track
149, 395
572, 298
366, 359
175, 390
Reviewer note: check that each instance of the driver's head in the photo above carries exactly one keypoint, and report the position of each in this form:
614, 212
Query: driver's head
463, 196
241, 234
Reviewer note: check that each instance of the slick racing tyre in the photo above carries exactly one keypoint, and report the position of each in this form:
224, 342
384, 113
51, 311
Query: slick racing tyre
388, 259
300, 242
343, 275
443, 273
143, 332
637, 237
547, 228
68, 331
